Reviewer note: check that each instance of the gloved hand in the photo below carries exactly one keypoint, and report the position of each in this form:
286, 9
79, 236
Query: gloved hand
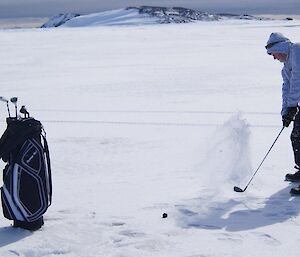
289, 116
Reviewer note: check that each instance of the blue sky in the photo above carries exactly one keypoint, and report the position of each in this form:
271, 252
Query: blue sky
43, 8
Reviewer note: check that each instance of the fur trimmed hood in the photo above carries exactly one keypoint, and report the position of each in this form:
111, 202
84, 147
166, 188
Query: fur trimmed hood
278, 43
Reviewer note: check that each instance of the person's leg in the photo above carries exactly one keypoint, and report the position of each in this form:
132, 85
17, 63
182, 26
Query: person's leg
295, 139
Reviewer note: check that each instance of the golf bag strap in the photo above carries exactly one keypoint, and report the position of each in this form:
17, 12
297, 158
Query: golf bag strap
49, 167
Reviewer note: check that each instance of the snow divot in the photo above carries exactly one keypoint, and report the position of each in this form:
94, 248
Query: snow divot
132, 233
268, 239
227, 160
227, 163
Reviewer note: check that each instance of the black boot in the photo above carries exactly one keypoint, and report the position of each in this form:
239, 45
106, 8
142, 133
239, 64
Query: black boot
295, 190
293, 177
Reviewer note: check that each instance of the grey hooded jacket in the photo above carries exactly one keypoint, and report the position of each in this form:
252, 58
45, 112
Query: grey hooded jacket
278, 43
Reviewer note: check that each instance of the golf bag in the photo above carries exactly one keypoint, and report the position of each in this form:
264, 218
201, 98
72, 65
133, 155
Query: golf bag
27, 187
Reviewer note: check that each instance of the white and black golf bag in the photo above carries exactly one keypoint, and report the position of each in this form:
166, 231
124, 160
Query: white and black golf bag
27, 186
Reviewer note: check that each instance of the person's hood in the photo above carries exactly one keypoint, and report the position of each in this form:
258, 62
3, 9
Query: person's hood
278, 43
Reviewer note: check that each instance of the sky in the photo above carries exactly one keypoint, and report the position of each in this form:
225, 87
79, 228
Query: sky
47, 8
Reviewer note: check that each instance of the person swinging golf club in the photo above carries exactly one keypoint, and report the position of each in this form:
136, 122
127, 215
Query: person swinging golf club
283, 50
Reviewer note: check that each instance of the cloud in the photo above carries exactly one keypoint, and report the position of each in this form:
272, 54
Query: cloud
23, 8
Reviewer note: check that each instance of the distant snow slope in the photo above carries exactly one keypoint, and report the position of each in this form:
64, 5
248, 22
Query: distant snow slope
58, 20
115, 17
141, 15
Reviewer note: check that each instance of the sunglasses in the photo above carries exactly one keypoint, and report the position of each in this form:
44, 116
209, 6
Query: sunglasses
272, 44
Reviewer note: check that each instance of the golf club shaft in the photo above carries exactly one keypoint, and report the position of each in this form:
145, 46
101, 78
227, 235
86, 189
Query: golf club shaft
5, 100
8, 109
263, 159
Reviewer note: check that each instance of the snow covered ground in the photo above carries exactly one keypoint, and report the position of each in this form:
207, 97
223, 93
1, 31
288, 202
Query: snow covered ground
146, 120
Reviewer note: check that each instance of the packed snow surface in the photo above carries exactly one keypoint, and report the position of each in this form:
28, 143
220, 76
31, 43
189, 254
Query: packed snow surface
156, 119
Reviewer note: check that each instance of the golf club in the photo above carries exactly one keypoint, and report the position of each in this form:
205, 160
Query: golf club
238, 189
6, 101
24, 111
14, 100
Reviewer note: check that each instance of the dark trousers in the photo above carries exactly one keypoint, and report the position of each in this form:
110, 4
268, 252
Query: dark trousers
295, 138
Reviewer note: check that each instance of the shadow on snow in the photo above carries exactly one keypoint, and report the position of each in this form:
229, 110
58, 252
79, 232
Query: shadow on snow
9, 235
276, 209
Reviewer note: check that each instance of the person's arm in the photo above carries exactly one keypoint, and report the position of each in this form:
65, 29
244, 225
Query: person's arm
294, 91
285, 92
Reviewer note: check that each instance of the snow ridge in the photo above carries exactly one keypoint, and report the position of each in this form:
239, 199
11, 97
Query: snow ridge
59, 20
175, 14
186, 15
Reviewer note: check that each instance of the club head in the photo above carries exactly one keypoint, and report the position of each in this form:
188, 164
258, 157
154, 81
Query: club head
237, 189
23, 109
14, 100
3, 99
